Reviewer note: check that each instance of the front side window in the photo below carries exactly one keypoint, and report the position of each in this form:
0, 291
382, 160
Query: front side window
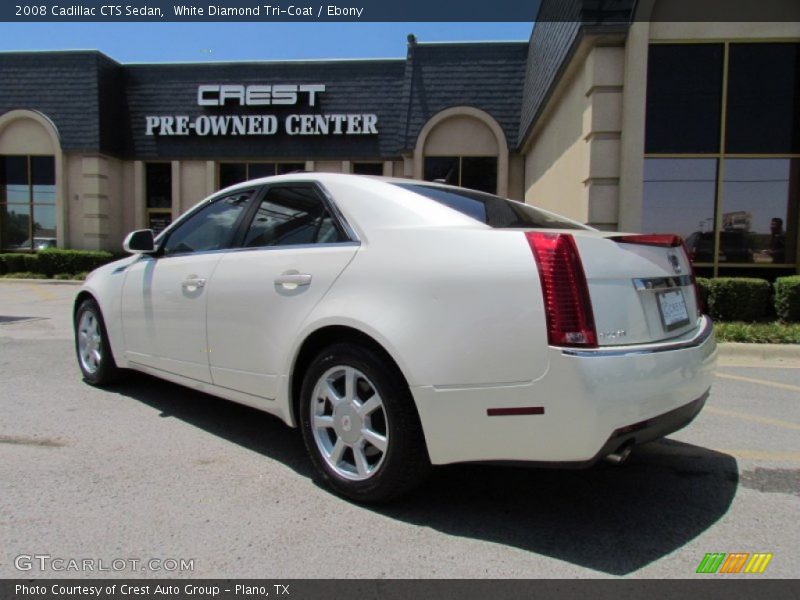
27, 202
292, 215
211, 228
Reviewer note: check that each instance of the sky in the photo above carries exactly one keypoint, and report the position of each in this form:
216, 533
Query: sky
205, 42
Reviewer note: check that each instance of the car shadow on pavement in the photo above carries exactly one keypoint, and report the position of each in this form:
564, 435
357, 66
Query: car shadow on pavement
250, 428
612, 519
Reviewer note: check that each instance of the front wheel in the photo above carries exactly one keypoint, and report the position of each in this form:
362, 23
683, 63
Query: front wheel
92, 346
360, 425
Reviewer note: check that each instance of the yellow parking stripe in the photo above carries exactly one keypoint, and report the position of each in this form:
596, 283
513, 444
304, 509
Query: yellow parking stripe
780, 386
753, 418
42, 292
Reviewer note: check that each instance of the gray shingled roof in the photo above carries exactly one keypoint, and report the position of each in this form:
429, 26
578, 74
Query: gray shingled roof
488, 76
63, 86
555, 36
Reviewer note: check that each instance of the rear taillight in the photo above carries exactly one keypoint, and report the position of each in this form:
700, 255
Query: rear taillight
698, 299
568, 308
665, 240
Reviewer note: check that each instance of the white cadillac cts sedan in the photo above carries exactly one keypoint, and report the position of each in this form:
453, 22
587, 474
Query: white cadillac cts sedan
402, 323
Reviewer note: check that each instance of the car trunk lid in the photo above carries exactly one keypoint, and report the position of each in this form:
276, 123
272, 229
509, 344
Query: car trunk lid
641, 286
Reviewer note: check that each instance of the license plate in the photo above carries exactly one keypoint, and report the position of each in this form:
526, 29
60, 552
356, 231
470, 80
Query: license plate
672, 306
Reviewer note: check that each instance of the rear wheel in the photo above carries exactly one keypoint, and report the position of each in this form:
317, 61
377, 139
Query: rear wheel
360, 425
92, 346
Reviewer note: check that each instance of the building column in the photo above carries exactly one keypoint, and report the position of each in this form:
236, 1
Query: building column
139, 201
602, 127
176, 189
211, 177
94, 202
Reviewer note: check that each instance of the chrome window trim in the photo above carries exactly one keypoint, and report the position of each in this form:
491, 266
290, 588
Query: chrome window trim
705, 332
346, 244
661, 283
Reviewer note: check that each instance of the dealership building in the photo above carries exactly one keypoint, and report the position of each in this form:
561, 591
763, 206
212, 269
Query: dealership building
636, 124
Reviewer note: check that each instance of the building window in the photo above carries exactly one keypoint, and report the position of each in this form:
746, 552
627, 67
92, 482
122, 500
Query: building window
158, 195
474, 172
233, 173
763, 99
679, 196
368, 168
722, 153
684, 97
27, 202
756, 206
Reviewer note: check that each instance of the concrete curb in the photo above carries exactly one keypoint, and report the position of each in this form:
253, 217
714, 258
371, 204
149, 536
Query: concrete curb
778, 354
44, 281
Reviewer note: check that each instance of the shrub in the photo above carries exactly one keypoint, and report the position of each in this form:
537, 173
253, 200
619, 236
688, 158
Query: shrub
758, 333
787, 298
81, 276
63, 276
24, 275
18, 262
738, 298
55, 260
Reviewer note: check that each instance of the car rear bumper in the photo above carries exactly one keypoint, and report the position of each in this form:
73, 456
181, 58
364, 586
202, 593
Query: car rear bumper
589, 403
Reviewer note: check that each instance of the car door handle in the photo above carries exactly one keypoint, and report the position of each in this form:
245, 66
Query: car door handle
291, 280
193, 282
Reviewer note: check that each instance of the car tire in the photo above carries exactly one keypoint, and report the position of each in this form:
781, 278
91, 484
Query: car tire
92, 347
360, 425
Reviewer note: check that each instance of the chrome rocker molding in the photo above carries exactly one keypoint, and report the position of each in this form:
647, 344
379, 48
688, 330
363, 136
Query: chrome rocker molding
706, 330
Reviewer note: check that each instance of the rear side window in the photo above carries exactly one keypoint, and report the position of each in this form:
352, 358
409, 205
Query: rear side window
289, 216
492, 210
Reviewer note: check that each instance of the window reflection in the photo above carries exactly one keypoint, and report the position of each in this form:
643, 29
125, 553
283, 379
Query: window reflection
679, 198
27, 202
757, 210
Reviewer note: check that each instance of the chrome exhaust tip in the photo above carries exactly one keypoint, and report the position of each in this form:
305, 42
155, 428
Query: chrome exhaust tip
620, 456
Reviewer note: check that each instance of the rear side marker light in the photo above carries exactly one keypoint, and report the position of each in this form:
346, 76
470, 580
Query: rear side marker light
568, 308
515, 411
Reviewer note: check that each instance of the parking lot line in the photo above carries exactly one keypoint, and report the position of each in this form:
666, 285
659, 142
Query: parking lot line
42, 292
753, 418
781, 386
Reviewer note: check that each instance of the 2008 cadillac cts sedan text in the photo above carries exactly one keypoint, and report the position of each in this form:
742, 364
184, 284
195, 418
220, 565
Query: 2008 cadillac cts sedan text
402, 323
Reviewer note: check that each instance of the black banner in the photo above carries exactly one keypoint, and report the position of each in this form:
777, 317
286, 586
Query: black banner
732, 588
587, 11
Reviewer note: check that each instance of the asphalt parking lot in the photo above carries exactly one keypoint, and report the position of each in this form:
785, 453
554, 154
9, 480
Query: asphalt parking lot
150, 470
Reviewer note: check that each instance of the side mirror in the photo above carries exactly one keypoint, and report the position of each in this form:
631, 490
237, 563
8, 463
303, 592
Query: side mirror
141, 241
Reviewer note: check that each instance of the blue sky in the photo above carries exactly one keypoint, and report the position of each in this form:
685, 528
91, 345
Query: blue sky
199, 42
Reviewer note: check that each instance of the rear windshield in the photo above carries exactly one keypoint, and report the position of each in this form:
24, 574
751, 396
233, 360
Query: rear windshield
492, 210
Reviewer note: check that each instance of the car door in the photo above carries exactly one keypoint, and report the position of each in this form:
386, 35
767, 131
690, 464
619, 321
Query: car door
164, 295
293, 250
